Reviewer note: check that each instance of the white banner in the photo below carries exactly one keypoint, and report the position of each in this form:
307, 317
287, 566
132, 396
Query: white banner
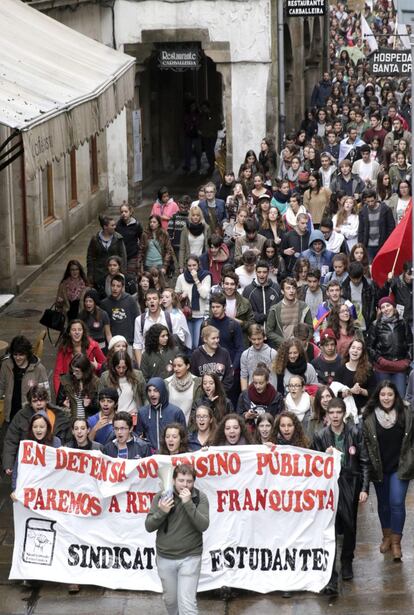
80, 517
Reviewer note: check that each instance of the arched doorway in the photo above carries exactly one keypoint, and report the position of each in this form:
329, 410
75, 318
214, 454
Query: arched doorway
164, 97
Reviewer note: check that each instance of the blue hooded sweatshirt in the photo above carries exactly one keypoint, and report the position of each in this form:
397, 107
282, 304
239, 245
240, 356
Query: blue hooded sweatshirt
321, 259
152, 420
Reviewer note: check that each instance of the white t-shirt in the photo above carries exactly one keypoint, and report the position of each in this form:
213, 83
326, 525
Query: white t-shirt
126, 401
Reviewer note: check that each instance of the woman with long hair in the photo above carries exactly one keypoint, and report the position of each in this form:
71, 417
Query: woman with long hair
399, 171
128, 382
174, 440
301, 270
356, 373
114, 267
388, 432
346, 221
231, 431
258, 191
202, 428
268, 159
263, 428
160, 350
235, 201
319, 418
213, 395
344, 326
389, 341
233, 230
316, 198
71, 289
76, 340
164, 207
299, 401
291, 361
183, 387
193, 285
145, 282
246, 178
107, 242
78, 388
155, 248
194, 237
251, 161
95, 319
400, 201
158, 278
131, 231
273, 226
270, 254
359, 254
80, 437
288, 430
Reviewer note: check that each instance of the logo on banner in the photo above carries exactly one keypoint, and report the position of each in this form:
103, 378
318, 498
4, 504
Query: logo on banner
39, 541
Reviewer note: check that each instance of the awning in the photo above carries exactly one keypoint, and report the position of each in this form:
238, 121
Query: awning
57, 87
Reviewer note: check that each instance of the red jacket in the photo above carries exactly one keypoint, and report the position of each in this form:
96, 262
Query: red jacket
65, 356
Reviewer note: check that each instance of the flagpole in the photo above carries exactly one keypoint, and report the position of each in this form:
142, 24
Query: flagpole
395, 260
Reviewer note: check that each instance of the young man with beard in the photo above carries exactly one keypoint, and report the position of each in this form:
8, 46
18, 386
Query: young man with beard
295, 242
283, 316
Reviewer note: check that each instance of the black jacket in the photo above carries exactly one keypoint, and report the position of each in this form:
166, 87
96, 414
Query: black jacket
369, 298
354, 186
386, 224
391, 340
293, 240
262, 298
406, 463
356, 464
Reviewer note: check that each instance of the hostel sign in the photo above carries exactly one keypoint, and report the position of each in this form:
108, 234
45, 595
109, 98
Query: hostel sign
306, 8
391, 62
179, 58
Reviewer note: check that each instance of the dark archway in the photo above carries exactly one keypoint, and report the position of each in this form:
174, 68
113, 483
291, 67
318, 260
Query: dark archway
164, 95
289, 79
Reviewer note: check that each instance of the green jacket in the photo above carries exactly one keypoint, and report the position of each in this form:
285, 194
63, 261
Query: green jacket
245, 313
274, 329
180, 532
406, 463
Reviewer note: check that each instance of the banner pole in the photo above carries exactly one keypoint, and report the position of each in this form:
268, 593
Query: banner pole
395, 260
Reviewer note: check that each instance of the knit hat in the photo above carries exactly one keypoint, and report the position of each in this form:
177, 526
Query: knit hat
93, 294
115, 340
327, 334
108, 393
386, 300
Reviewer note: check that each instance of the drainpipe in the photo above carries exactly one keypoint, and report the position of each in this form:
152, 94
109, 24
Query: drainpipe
281, 54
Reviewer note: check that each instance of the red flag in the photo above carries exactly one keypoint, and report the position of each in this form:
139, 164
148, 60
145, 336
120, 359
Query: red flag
396, 250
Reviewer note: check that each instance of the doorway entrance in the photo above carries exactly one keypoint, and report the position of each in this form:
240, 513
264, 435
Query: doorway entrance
165, 95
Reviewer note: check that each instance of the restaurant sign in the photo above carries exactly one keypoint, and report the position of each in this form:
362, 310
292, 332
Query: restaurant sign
179, 58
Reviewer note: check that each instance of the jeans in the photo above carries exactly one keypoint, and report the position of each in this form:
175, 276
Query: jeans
400, 380
194, 325
179, 578
391, 502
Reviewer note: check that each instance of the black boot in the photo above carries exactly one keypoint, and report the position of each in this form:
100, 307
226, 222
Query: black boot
347, 572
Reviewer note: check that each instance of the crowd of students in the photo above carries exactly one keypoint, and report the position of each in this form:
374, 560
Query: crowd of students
249, 314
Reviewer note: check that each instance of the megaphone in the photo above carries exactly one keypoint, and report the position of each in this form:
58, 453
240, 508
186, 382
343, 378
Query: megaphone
165, 474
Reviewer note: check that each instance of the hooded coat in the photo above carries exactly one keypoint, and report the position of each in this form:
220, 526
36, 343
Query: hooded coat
153, 420
321, 259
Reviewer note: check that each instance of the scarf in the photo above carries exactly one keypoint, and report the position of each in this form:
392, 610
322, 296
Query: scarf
293, 176
195, 229
195, 295
282, 198
298, 368
182, 384
291, 217
299, 408
386, 419
263, 399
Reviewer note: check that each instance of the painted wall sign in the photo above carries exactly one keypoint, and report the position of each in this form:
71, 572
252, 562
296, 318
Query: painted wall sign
306, 8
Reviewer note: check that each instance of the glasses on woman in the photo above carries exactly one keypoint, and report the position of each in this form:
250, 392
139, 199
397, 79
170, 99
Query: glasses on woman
295, 386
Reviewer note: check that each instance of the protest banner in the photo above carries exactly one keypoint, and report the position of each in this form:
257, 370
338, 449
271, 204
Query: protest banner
80, 517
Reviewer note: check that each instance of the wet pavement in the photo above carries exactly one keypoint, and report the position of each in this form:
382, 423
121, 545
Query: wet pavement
380, 586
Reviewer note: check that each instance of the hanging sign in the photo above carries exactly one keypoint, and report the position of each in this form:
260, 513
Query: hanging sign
306, 8
179, 58
79, 517
386, 62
